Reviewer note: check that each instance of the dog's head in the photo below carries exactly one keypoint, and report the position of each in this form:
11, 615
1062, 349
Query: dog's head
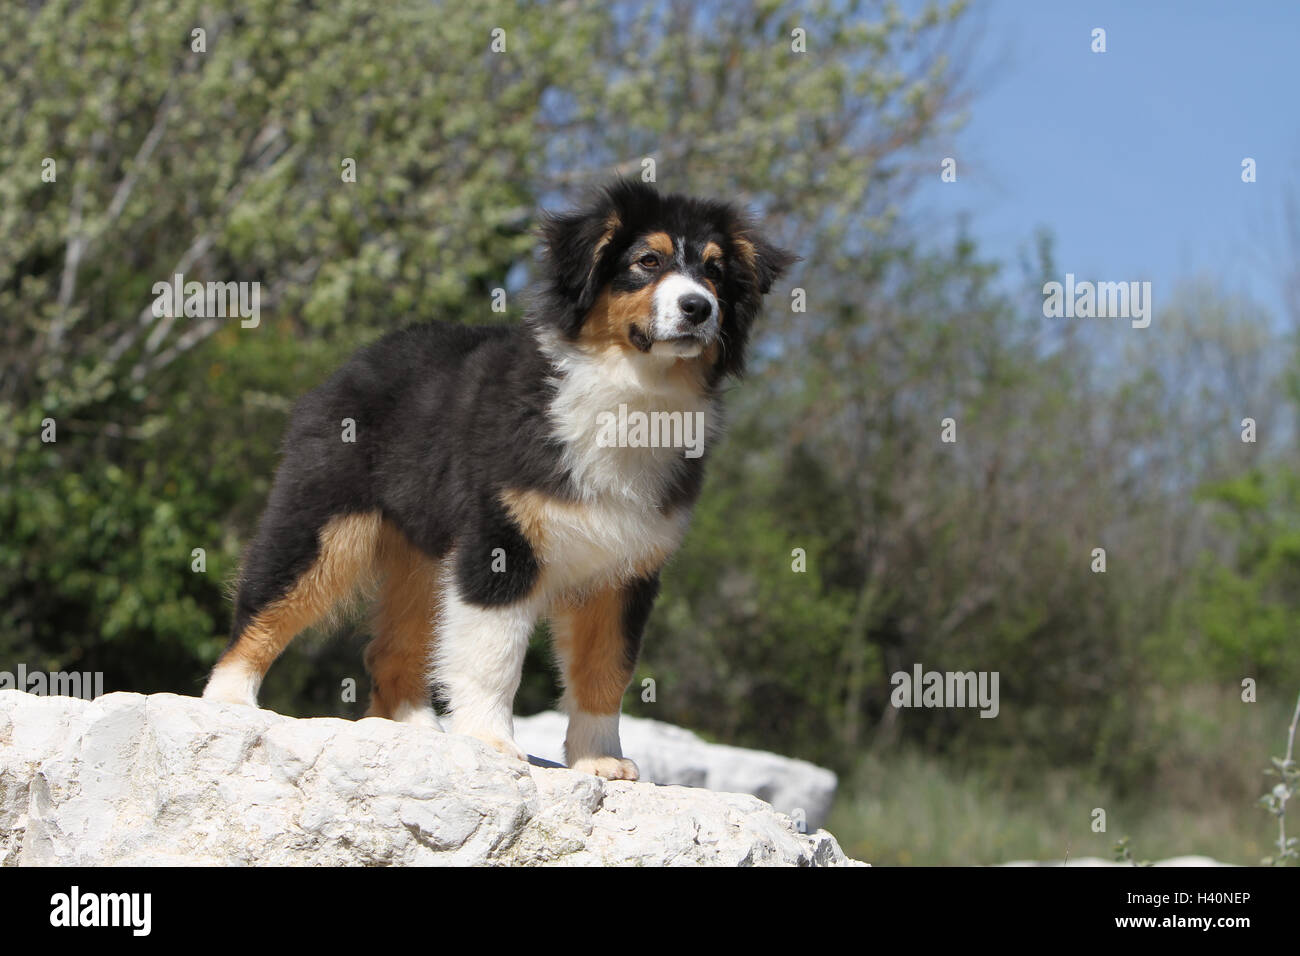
665, 277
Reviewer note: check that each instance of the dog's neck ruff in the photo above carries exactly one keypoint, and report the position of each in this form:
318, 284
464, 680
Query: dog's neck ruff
592, 384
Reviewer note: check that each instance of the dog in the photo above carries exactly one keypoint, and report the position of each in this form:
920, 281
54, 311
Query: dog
480, 490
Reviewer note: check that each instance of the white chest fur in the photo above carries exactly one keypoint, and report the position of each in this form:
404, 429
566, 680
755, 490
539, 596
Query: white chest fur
618, 388
605, 542
619, 477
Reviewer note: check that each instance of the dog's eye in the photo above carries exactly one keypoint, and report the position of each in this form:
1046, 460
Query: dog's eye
713, 268
649, 261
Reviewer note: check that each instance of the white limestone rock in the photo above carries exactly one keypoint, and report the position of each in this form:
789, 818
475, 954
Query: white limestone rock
129, 779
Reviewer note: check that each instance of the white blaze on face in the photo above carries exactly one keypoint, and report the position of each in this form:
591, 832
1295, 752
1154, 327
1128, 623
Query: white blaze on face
669, 322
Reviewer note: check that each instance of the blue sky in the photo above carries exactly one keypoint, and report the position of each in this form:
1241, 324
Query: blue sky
1133, 157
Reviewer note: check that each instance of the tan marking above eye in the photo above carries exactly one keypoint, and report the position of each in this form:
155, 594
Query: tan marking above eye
711, 251
661, 243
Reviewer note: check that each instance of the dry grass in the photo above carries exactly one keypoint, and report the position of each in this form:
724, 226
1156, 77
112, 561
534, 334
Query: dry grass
908, 808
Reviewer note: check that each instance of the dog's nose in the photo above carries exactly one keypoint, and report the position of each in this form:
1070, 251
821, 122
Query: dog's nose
695, 308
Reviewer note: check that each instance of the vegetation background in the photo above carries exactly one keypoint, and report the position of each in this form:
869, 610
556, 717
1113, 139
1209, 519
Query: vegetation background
1120, 690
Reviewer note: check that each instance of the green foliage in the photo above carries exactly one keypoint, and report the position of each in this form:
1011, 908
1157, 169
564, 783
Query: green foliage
226, 164
1124, 853
1246, 609
222, 165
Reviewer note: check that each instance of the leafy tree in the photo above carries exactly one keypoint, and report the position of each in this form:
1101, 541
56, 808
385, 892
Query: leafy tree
221, 156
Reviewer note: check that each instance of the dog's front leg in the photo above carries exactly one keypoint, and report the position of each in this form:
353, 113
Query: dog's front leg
597, 640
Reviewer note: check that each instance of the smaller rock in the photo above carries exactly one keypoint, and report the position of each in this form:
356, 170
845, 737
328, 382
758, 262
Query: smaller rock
667, 754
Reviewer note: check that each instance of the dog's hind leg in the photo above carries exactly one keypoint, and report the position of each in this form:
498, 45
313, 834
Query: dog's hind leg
344, 551
479, 662
400, 656
490, 603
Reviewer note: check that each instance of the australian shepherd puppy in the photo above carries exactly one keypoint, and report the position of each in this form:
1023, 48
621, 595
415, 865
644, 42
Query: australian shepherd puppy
471, 474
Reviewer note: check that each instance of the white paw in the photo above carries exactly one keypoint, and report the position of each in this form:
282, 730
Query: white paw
231, 685
417, 716
611, 768
508, 747
499, 743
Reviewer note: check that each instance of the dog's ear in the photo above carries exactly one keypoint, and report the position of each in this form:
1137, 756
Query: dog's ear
578, 247
573, 247
759, 264
766, 261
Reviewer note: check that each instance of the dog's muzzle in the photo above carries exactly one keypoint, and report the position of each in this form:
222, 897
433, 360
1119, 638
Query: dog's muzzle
686, 317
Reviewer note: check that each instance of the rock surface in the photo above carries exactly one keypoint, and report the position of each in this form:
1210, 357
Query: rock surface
667, 754
162, 780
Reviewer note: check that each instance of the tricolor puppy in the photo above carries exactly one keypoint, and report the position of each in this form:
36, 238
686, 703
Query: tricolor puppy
481, 490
